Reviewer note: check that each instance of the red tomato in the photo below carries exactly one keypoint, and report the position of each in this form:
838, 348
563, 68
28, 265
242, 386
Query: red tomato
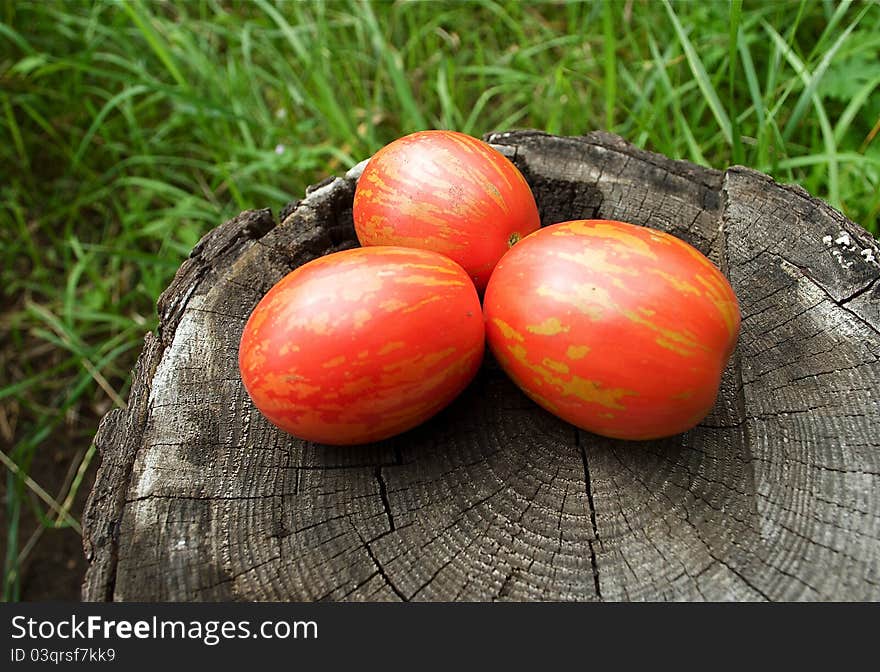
363, 344
619, 329
447, 192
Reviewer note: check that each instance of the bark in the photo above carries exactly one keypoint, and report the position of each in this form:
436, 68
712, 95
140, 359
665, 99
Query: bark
772, 497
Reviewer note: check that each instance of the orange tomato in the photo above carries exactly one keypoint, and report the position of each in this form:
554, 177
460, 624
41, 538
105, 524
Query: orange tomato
447, 192
363, 344
619, 329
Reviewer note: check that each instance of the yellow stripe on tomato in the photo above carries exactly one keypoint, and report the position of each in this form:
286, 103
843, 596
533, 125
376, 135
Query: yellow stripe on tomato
549, 327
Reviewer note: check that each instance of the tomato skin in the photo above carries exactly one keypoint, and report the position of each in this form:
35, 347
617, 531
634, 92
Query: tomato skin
448, 192
362, 344
619, 329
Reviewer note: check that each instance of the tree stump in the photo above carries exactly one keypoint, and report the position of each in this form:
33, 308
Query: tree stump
775, 496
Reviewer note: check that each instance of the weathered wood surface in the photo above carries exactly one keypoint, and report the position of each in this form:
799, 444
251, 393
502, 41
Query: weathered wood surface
775, 496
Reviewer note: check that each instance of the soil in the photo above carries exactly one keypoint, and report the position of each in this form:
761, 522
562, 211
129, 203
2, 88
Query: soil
55, 566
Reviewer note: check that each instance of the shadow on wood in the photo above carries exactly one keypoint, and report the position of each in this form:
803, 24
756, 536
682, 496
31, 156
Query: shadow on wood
773, 497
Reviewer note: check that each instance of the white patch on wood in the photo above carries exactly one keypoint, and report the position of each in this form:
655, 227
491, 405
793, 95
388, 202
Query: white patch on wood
845, 242
145, 514
844, 239
187, 332
160, 459
355, 171
837, 254
147, 477
319, 193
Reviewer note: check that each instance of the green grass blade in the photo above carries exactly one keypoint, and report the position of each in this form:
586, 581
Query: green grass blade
413, 119
816, 77
136, 12
15, 132
35, 487
449, 115
752, 82
98, 121
609, 52
699, 72
16, 37
853, 108
733, 38
860, 161
825, 126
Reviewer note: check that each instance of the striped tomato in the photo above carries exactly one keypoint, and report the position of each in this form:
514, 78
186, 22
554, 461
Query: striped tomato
363, 344
618, 329
447, 192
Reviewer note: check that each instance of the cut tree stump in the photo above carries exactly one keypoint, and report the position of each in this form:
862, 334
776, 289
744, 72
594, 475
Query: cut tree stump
775, 496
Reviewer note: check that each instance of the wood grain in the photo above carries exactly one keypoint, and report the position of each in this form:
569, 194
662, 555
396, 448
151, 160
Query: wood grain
772, 497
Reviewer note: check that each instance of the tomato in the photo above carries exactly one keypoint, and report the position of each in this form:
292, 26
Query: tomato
447, 192
363, 344
619, 329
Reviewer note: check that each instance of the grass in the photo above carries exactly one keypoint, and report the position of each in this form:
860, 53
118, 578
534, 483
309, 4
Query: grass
131, 129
